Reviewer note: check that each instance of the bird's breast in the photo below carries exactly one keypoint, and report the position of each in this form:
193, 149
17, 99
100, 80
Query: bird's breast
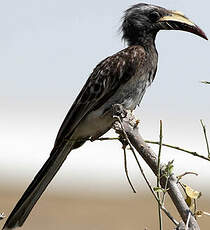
135, 90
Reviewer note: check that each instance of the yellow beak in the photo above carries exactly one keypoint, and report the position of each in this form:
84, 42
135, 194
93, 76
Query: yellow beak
178, 21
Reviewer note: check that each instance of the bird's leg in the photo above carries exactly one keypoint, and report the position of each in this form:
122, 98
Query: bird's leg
130, 118
119, 111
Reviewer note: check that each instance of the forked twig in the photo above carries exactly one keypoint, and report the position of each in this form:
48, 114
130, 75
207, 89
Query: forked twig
144, 176
129, 126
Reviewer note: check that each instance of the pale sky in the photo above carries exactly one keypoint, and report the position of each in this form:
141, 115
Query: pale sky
49, 48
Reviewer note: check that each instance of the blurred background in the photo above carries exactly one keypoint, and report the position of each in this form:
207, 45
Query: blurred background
47, 51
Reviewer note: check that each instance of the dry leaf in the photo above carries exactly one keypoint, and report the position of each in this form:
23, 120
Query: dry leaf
189, 202
192, 193
200, 213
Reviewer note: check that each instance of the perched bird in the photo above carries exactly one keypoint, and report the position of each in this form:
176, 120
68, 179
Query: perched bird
119, 79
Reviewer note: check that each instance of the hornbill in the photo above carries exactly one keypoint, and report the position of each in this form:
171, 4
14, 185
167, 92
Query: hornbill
119, 79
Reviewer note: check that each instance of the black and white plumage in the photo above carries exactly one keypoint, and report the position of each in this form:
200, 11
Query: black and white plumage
119, 79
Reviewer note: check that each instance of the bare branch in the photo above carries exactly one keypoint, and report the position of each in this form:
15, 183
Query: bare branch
184, 174
149, 142
131, 130
205, 82
178, 148
157, 143
168, 172
188, 220
108, 139
121, 129
205, 136
126, 170
158, 176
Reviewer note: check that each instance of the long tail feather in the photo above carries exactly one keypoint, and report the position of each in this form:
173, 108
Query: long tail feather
37, 186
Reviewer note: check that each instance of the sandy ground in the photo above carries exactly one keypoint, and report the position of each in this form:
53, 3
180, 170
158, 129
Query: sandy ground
87, 213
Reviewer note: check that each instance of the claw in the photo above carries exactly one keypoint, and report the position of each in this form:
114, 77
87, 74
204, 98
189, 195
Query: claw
118, 110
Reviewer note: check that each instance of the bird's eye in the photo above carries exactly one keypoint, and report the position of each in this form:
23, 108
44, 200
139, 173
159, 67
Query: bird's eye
154, 16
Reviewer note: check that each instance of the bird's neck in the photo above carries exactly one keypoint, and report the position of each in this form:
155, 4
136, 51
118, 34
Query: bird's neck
147, 41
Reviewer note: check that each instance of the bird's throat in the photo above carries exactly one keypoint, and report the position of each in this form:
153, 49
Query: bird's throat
144, 39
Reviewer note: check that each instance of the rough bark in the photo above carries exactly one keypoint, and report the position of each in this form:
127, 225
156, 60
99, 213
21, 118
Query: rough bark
150, 157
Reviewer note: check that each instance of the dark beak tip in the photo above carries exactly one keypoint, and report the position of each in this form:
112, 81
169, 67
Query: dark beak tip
205, 37
201, 33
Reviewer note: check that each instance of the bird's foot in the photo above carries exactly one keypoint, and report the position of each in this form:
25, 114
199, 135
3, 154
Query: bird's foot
123, 115
119, 111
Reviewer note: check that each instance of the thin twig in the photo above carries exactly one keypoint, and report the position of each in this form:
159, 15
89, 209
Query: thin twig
108, 139
158, 177
205, 82
178, 148
125, 158
144, 176
149, 142
126, 170
184, 174
167, 173
165, 188
188, 220
195, 208
206, 139
182, 186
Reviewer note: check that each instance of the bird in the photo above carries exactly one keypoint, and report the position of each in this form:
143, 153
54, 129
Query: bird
119, 79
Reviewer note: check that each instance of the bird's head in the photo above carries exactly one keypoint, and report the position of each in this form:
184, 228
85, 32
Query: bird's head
141, 23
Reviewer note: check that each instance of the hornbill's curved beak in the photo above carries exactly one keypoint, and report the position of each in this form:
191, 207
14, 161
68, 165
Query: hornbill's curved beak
177, 21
